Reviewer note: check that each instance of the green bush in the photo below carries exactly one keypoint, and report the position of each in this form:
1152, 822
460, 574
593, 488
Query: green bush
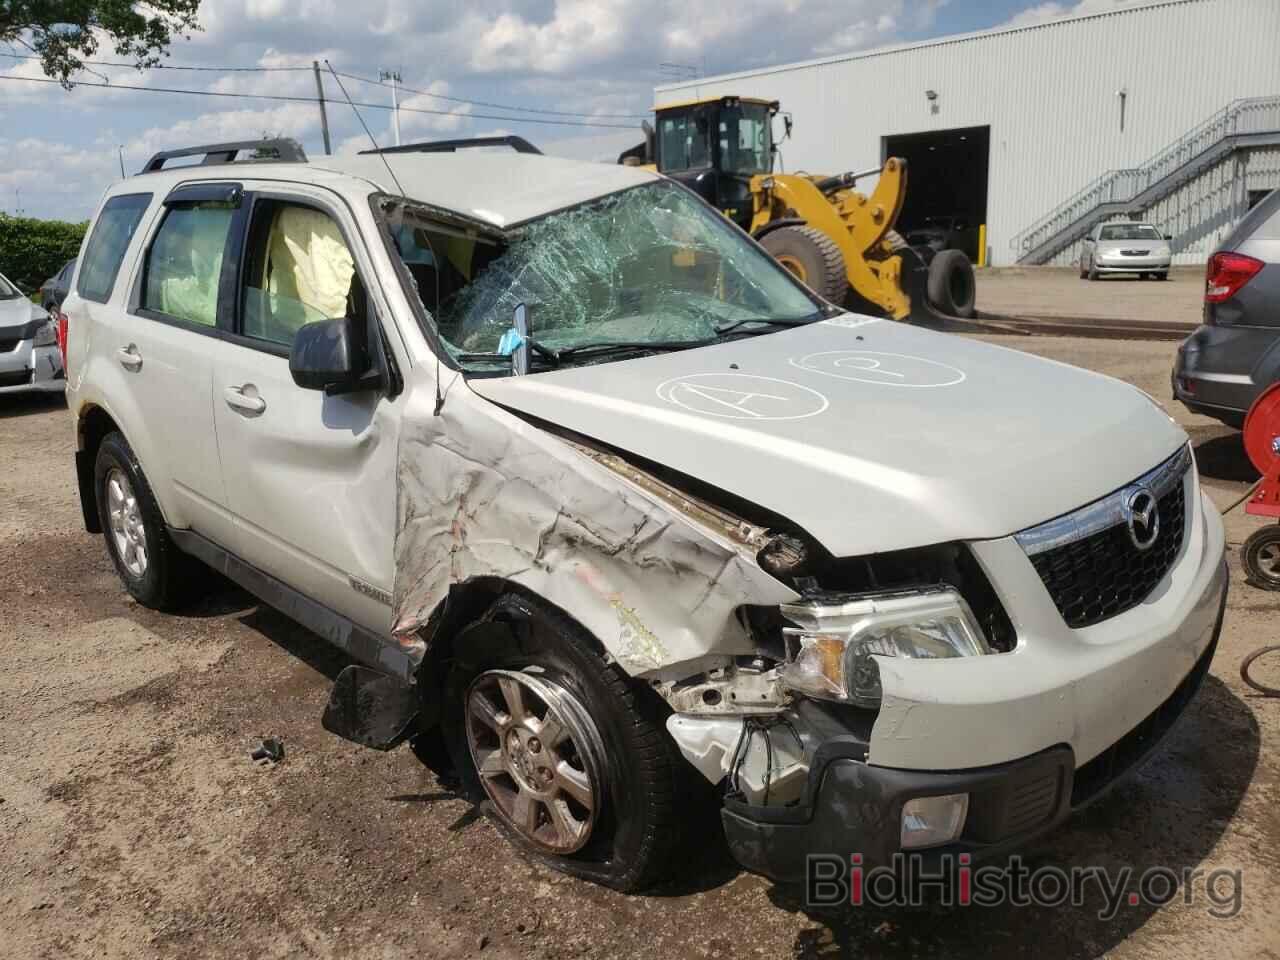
32, 251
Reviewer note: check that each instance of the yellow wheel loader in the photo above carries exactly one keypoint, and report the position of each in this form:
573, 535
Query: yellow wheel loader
837, 240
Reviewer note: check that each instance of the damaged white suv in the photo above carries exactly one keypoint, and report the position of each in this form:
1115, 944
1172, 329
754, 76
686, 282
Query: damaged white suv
617, 516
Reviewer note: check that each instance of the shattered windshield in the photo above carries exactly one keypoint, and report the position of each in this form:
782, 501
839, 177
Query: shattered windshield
651, 265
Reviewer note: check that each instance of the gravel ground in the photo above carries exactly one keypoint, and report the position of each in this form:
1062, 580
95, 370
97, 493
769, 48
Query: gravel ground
1058, 292
134, 825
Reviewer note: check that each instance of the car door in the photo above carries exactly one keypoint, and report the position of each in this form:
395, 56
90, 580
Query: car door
156, 343
310, 477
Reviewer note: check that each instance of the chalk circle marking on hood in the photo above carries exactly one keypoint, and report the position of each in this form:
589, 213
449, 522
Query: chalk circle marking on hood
883, 369
743, 396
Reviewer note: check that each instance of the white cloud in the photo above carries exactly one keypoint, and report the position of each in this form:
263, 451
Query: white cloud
1053, 10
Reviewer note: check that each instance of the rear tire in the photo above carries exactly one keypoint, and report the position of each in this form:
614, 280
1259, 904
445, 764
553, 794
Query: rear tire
812, 258
951, 283
154, 571
626, 758
1160, 275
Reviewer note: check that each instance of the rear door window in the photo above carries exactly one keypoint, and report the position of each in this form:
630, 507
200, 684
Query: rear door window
184, 264
108, 243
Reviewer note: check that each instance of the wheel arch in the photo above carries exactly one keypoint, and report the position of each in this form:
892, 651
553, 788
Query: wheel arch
773, 225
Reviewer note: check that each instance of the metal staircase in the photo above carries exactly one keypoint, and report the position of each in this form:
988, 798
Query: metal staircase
1241, 125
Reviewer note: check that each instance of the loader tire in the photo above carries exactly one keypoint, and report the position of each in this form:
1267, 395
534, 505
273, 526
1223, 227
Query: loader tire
812, 257
951, 284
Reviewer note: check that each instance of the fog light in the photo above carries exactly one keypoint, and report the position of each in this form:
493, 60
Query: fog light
930, 821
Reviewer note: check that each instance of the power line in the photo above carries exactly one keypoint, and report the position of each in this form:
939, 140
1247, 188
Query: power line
165, 66
351, 76
298, 99
496, 106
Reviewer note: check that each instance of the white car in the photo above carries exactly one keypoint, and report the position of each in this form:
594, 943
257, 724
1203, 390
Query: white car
615, 514
1126, 247
29, 356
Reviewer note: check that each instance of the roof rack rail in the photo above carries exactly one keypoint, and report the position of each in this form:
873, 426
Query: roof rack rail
285, 150
518, 144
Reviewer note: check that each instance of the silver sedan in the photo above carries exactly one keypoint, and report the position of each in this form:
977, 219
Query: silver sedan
1126, 247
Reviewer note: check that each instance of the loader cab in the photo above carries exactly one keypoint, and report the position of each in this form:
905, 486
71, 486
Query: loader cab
715, 147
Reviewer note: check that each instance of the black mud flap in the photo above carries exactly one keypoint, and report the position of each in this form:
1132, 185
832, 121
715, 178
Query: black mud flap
371, 708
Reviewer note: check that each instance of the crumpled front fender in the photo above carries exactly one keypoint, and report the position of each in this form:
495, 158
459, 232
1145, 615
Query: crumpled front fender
483, 493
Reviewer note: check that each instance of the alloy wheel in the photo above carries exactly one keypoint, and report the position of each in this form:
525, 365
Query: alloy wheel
127, 529
538, 755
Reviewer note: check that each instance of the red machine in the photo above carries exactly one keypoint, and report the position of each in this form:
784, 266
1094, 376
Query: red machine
1262, 444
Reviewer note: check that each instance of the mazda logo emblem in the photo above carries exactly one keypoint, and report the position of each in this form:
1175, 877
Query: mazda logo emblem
1142, 517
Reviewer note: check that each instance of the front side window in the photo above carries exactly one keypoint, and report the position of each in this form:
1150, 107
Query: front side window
184, 264
649, 265
744, 138
684, 141
298, 269
108, 243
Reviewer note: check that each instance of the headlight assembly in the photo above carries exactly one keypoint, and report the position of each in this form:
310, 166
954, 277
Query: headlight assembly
832, 648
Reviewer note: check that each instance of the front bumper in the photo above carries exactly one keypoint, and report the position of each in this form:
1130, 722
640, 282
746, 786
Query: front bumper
27, 367
1133, 265
856, 807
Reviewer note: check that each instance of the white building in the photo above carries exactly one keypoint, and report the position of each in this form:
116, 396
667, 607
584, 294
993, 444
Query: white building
1168, 111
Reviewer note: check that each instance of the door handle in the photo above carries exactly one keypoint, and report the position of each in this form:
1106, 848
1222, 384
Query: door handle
129, 357
237, 399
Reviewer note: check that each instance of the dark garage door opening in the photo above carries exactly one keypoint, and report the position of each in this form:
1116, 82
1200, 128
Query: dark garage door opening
946, 184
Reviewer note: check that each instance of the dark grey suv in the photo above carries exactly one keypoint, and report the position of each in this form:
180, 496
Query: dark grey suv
1235, 354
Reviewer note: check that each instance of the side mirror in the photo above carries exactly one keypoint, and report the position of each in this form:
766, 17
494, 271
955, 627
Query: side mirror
786, 126
327, 355
1168, 236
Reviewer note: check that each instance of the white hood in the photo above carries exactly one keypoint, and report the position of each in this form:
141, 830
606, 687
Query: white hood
870, 435
19, 311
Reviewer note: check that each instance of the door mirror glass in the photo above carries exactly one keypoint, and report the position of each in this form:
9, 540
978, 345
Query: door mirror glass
326, 355
1168, 236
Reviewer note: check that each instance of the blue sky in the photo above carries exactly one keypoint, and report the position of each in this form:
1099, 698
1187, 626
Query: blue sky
596, 59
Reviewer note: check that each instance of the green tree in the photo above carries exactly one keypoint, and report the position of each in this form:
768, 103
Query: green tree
65, 33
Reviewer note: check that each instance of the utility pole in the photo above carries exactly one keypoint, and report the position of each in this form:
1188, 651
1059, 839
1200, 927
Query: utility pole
324, 117
394, 77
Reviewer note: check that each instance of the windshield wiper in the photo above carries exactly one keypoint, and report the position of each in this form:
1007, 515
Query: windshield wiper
771, 321
542, 350
629, 346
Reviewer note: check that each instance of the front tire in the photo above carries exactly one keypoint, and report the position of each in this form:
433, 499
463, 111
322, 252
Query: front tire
150, 566
812, 258
569, 757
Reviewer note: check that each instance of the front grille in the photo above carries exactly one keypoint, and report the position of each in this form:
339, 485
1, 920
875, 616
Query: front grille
1104, 575
1088, 560
15, 379
7, 346
1134, 253
1100, 772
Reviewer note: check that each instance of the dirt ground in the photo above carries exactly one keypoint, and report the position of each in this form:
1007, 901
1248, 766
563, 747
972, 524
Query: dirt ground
1059, 293
133, 824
